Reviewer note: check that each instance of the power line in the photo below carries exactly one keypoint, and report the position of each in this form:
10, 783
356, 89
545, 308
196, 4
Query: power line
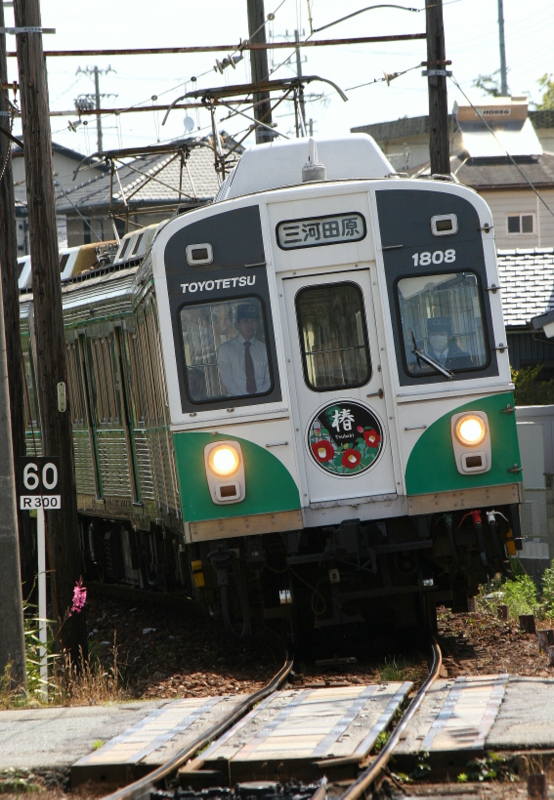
218, 48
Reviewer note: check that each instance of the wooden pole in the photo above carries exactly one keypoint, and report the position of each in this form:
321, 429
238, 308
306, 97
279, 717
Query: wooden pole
438, 103
259, 68
51, 367
12, 638
8, 269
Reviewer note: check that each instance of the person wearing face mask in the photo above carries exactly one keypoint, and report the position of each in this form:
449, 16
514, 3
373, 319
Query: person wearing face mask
444, 348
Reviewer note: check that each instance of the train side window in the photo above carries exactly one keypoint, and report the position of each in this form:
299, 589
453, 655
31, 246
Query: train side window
443, 315
226, 353
333, 337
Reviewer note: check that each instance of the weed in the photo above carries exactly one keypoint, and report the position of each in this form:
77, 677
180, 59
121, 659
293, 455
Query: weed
18, 781
548, 590
521, 596
462, 777
381, 741
392, 670
89, 682
98, 744
490, 768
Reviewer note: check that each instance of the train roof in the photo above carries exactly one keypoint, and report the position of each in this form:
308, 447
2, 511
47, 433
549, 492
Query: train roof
279, 164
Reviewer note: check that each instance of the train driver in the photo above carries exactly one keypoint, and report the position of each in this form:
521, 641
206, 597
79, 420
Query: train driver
444, 347
242, 361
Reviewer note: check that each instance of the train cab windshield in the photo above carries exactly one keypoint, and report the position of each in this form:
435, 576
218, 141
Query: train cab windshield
442, 324
333, 337
225, 348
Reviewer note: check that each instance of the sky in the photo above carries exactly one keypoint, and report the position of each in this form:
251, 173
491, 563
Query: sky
471, 33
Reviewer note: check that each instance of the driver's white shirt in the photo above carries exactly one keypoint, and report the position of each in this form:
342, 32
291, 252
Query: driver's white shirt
232, 369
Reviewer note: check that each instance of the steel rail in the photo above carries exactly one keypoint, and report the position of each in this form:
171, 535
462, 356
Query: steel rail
140, 788
362, 784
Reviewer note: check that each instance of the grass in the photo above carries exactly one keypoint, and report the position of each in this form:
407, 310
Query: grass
521, 595
392, 670
88, 683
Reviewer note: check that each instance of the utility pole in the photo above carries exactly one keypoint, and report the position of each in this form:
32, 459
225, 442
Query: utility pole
86, 102
259, 68
98, 118
503, 69
51, 366
301, 102
8, 269
12, 639
436, 78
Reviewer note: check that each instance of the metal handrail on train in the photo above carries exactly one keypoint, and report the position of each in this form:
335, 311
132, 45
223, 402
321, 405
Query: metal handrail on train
368, 777
140, 788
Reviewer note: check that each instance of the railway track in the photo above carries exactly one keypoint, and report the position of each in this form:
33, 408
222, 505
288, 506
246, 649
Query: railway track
166, 775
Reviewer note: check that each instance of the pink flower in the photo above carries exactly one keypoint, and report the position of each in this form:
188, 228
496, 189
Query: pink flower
79, 597
360, 429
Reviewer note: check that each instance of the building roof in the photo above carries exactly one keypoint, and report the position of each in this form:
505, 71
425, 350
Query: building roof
542, 118
398, 128
150, 180
526, 280
419, 126
74, 155
502, 173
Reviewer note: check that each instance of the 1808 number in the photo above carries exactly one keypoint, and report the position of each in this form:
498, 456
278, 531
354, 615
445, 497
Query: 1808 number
437, 257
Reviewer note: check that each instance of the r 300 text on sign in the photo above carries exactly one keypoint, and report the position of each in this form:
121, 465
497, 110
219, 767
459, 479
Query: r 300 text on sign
38, 480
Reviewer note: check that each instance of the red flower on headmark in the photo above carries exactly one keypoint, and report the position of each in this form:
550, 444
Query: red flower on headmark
351, 458
372, 438
323, 451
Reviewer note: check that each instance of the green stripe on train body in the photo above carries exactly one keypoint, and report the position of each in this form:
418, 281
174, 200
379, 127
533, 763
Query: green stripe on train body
269, 485
431, 466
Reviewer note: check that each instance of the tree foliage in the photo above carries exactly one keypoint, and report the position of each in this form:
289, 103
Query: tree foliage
530, 390
488, 84
547, 87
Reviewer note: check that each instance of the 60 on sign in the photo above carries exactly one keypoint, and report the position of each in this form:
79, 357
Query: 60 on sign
38, 483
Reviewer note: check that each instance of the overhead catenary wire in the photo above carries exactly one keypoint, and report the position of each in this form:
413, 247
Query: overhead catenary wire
367, 8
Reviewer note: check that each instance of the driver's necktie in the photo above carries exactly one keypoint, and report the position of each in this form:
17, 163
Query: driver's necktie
249, 369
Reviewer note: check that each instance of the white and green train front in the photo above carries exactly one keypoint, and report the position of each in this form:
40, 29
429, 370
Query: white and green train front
340, 392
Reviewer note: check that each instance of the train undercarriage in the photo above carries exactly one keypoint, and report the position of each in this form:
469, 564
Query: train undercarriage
391, 573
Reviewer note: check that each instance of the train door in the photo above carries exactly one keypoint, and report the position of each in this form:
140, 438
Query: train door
342, 433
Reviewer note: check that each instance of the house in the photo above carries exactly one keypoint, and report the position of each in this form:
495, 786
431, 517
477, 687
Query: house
144, 190
526, 279
65, 162
479, 160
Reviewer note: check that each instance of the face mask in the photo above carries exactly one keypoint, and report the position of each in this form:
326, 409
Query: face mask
439, 342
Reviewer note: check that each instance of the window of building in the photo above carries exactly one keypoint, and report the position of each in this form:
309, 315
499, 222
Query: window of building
226, 352
520, 223
442, 316
333, 337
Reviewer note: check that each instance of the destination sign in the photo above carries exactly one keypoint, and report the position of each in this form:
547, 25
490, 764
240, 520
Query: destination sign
318, 231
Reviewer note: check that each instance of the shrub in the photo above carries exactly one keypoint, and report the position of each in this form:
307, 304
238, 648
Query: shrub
548, 590
520, 596
530, 390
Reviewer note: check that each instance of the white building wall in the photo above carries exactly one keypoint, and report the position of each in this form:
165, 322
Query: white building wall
507, 202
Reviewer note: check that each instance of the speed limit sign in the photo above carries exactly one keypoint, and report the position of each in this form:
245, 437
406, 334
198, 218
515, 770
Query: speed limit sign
38, 480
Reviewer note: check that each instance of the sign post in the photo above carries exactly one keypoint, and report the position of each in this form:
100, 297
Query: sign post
37, 486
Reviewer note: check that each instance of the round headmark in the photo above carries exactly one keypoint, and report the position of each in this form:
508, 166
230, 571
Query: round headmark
345, 438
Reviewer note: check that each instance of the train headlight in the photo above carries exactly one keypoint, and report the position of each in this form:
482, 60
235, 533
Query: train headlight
224, 460
470, 430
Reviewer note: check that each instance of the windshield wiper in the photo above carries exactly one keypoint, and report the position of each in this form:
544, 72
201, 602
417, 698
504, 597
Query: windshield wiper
419, 354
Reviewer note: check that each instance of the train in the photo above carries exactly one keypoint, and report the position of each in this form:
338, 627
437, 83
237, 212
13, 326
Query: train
295, 403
